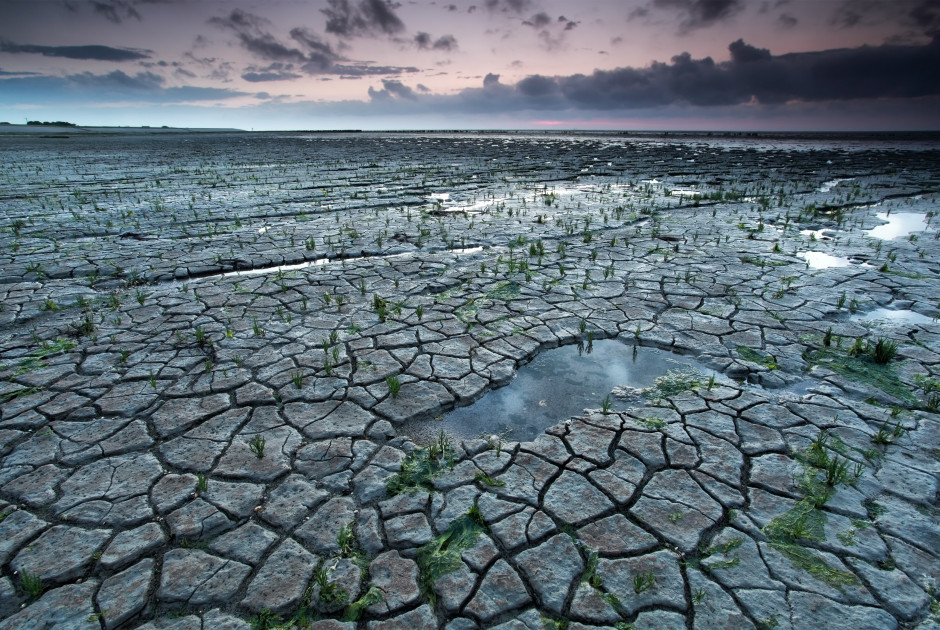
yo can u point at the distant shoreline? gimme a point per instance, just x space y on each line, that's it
65 131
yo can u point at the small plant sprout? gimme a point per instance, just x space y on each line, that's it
256 445
486 480
711 382
394 385
837 471
298 379
31 583
606 405
346 539
202 483
884 350
643 582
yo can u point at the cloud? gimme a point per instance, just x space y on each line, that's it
753 78
117 86
114 10
786 20
545 26
923 16
539 20
259 77
754 74
369 17
926 16
118 80
92 52
506 6
4 73
252 35
313 56
446 43
392 90
696 14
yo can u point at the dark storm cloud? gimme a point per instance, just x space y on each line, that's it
694 14
926 16
753 73
752 76
786 20
114 10
424 41
312 57
506 6
93 52
369 17
392 90
539 20
921 15
253 36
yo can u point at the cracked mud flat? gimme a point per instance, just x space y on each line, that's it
141 379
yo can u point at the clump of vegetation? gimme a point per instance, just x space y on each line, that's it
643 582
421 466
861 364
884 350
355 609
394 385
673 382
31 583
256 445
442 555
754 356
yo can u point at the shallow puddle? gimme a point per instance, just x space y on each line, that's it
899 224
891 316
821 260
557 384
328 261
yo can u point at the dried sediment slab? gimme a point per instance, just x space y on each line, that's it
220 443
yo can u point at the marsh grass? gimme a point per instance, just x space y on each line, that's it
442 554
673 382
394 385
884 350
859 366
422 466
256 445
31 583
643 582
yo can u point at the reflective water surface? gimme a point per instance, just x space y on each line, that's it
557 384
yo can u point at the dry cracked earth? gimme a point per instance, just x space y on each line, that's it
211 347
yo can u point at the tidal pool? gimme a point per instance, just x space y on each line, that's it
821 260
891 316
899 224
555 385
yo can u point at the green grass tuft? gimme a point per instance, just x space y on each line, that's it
442 555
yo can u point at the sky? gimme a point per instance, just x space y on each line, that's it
775 65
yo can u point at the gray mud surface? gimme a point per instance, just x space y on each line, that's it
201 336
